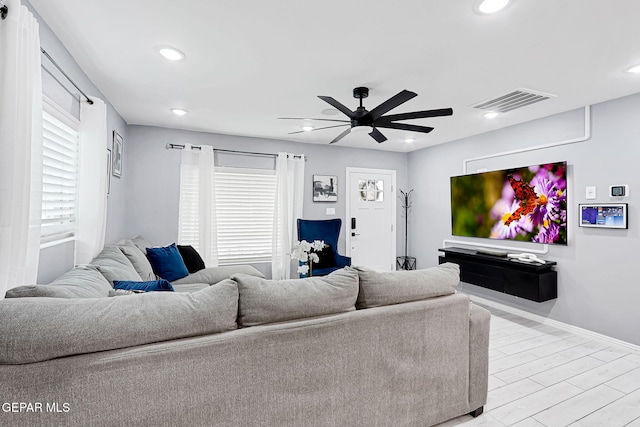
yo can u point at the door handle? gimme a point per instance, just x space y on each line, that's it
353 223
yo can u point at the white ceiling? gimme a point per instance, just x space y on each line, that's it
249 62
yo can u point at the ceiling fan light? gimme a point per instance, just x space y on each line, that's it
178 111
170 53
492 6
307 128
361 129
634 70
490 115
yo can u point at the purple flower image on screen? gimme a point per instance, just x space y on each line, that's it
527 204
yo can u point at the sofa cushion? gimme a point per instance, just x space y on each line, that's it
267 301
138 259
160 285
192 258
37 329
167 262
83 281
190 287
394 287
114 265
213 275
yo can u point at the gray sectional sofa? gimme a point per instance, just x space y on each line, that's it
356 347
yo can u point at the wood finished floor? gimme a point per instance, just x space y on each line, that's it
543 376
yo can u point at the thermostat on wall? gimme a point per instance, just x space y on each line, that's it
619 190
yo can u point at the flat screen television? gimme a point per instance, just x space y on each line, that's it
525 204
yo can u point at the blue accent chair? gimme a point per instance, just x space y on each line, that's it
327 230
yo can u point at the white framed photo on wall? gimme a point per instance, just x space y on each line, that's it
325 188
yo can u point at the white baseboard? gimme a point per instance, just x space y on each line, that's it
556 324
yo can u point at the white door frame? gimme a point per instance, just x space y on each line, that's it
347 219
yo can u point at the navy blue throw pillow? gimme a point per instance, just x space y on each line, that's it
150 286
167 262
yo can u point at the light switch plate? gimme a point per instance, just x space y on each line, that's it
590 193
331 211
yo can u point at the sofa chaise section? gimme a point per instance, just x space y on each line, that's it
303 356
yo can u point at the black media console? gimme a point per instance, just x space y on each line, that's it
534 282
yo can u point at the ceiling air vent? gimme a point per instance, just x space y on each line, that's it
517 99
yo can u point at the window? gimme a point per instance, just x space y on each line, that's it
59 173
244 214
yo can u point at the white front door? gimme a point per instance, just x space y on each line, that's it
371 218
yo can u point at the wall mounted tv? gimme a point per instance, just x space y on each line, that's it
525 204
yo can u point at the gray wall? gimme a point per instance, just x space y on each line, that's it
153 176
57 259
598 286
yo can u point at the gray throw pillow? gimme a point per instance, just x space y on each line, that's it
138 259
37 329
114 265
394 287
267 301
83 281
141 243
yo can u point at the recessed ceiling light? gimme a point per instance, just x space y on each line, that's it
409 140
635 69
490 115
329 112
307 128
492 6
178 111
172 54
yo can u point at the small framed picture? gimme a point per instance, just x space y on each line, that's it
325 188
118 151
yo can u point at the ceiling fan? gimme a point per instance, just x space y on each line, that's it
375 118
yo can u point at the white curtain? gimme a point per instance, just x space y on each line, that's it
92 181
197 214
288 208
20 147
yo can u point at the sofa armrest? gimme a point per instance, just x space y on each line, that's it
479 321
213 275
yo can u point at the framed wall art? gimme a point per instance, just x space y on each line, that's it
325 188
118 151
109 166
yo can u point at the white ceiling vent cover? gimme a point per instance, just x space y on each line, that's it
517 99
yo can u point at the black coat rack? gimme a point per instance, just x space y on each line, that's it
406 262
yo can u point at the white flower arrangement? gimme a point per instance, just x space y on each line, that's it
302 252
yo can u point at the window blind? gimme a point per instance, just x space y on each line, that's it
244 214
59 173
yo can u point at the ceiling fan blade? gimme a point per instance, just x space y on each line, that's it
417 115
392 103
404 126
313 130
377 135
346 111
339 137
307 118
